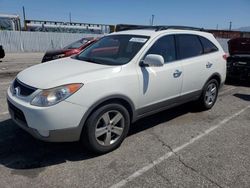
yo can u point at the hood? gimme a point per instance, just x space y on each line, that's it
56 52
63 71
239 46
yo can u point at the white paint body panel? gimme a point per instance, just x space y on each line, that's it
157 84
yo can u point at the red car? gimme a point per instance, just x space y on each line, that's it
69 50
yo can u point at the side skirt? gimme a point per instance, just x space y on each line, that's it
164 105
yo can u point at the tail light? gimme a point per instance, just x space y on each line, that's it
225 56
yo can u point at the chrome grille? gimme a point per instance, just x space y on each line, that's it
23 89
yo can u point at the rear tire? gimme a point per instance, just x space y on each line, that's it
209 95
106 128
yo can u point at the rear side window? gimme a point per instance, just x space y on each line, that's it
165 47
188 46
208 46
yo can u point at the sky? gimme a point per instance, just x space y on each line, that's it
197 13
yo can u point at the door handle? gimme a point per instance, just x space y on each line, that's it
177 74
209 65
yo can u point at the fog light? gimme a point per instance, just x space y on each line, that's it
43 133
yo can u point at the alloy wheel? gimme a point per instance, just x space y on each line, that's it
211 93
109 128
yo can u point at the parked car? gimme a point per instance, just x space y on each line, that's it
119 79
2 53
72 49
238 63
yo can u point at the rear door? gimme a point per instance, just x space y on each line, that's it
197 66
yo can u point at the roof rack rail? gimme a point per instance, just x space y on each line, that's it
124 27
160 28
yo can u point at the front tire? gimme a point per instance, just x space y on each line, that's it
209 95
106 128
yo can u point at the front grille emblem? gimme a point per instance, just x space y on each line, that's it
16 91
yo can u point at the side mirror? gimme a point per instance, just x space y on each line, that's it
153 60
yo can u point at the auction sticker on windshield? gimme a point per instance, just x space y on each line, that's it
140 40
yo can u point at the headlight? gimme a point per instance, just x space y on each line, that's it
53 96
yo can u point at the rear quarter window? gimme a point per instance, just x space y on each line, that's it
208 46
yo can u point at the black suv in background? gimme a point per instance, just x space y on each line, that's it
238 63
2 54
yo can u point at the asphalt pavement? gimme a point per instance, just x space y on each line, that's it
13 63
180 147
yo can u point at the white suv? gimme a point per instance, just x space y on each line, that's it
96 95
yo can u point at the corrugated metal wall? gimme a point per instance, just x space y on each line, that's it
17 41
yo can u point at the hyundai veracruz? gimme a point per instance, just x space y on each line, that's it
95 96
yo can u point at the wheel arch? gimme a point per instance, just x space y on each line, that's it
120 99
215 76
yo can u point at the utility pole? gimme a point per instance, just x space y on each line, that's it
24 19
152 19
230 26
217 26
70 17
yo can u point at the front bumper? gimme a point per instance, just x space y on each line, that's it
58 123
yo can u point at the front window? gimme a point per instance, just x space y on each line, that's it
113 49
6 24
165 47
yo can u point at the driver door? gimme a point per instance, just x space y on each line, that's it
160 86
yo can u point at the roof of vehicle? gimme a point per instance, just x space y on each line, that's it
9 16
239 46
150 30
153 32
240 39
144 32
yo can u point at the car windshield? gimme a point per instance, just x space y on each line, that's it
77 44
113 49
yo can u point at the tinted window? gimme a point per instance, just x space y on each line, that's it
189 46
165 47
208 46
